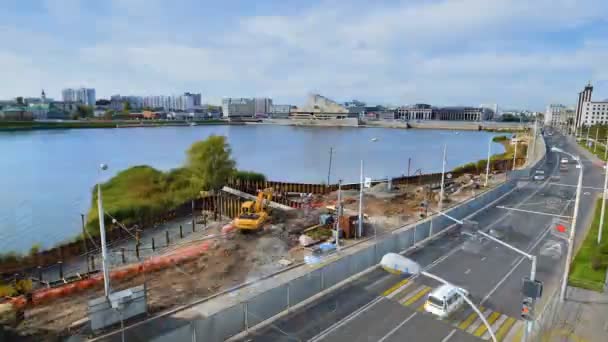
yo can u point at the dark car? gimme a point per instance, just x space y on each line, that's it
501 232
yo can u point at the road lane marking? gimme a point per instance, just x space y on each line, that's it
417 296
397 327
469 320
400 290
495 326
540 237
504 329
467 271
483 258
347 319
445 339
483 328
395 287
374 284
478 321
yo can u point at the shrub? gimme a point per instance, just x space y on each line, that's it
35 249
249 176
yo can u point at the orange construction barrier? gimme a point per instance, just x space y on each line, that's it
154 263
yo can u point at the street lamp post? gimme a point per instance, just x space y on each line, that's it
514 155
441 194
597 133
485 184
339 211
102 234
399 263
361 201
571 236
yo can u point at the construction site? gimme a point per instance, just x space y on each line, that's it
242 236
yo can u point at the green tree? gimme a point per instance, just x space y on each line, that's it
19 100
84 111
108 115
35 249
127 107
210 162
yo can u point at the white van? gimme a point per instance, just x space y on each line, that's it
444 300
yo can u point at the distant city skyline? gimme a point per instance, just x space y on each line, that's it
517 53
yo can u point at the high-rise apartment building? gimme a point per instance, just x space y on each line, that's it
85 96
583 96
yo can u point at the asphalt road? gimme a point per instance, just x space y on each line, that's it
383 307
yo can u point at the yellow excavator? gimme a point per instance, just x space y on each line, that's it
254 213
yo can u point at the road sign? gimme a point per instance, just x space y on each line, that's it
449 176
560 228
367 182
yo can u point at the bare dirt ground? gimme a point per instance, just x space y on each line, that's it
236 258
228 262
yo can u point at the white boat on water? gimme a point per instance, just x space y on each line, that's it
193 124
374 139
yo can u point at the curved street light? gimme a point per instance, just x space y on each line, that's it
397 263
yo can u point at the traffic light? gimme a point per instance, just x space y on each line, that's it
526 309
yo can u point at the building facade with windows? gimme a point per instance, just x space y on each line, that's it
263 106
280 111
553 114
583 97
593 113
85 96
238 107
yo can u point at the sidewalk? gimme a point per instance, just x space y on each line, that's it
583 317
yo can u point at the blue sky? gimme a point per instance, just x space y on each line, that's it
519 54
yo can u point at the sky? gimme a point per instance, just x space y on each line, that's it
516 53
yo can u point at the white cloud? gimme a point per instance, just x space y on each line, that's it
457 51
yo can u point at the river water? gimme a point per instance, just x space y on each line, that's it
46 177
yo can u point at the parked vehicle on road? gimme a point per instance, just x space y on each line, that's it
445 300
565 161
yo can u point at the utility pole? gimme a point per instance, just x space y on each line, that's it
587 139
515 154
339 212
102 234
599 235
361 201
84 241
534 140
564 284
445 148
485 185
331 152
597 132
